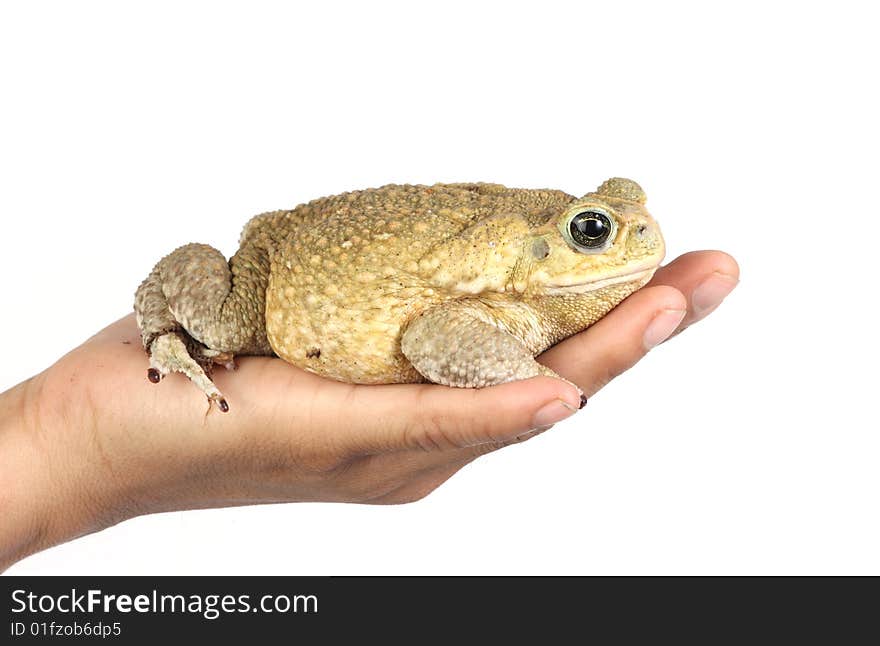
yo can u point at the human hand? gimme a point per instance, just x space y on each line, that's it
90 442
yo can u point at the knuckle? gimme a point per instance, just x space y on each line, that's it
433 434
433 430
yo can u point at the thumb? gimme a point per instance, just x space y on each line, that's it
432 417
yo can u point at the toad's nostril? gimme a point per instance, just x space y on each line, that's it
640 231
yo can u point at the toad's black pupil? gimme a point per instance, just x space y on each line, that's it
590 229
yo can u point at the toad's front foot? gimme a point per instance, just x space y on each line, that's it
169 353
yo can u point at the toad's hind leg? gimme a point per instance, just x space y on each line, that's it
196 309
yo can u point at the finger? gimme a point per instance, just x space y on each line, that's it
704 277
432 417
618 341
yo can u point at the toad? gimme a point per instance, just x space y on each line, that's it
457 284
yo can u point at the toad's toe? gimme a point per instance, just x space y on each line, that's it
169 353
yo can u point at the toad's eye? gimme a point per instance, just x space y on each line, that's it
590 230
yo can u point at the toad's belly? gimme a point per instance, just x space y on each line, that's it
357 342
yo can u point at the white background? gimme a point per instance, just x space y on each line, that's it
747 445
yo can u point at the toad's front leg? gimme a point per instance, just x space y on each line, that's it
466 344
196 309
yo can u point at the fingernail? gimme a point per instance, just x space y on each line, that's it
554 412
709 294
663 325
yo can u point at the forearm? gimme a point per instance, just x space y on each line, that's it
39 505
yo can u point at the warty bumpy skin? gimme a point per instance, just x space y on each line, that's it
459 284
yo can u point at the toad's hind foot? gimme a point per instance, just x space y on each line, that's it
169 353
195 310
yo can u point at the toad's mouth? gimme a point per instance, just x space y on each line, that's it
640 276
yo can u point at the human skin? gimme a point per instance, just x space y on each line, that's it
88 442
